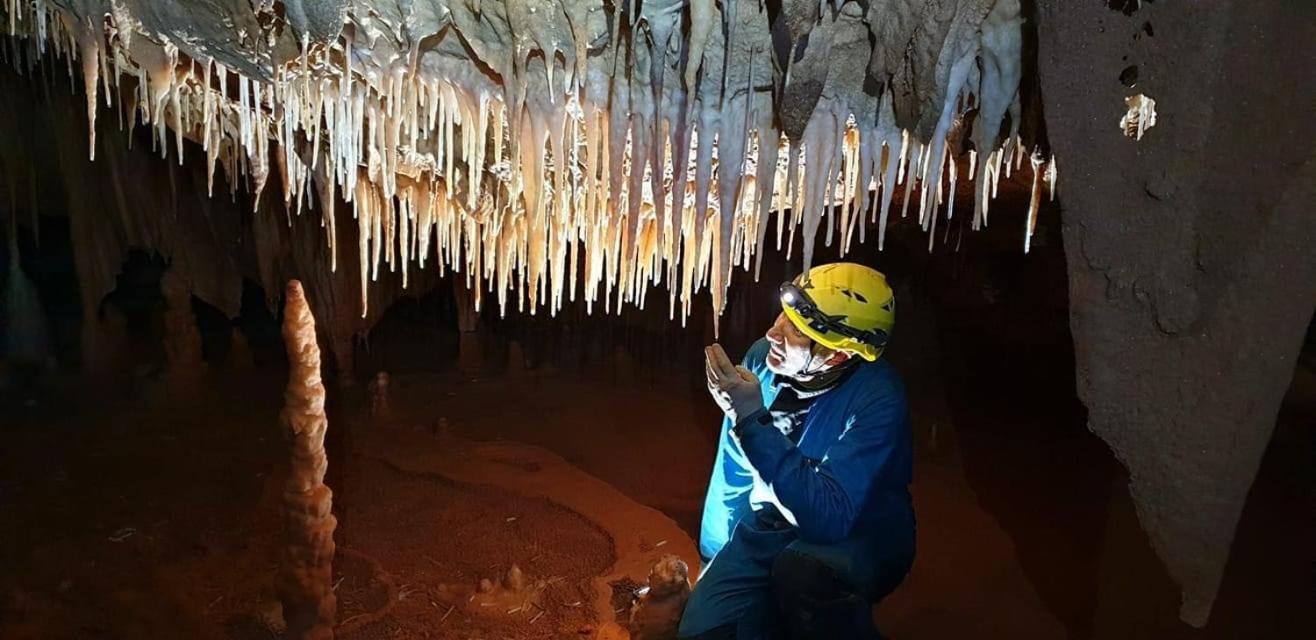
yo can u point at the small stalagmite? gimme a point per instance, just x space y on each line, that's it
656 612
379 394
305 579
182 339
239 353
515 579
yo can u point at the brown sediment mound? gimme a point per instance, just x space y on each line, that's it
440 538
640 535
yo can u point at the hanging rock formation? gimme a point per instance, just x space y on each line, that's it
305 579
1191 273
536 145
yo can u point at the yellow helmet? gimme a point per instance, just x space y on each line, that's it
843 306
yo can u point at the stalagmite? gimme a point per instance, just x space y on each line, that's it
305 576
182 340
25 338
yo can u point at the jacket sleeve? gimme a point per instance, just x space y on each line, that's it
827 496
728 490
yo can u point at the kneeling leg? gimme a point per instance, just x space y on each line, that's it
814 602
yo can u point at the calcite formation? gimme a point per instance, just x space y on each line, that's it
1191 278
589 150
24 336
305 577
656 611
184 361
556 149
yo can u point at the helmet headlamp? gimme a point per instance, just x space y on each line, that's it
798 300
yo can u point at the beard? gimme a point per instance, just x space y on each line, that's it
792 363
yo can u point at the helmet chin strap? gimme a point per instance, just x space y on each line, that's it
807 371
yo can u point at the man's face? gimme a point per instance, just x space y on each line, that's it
791 353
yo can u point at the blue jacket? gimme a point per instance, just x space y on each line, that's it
848 476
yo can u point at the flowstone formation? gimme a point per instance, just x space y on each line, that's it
1191 278
538 145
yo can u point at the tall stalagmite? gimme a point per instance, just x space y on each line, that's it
304 583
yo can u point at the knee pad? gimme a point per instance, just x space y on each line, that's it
813 603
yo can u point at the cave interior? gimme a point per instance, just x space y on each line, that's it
345 318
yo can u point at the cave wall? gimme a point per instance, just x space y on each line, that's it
1191 273
130 198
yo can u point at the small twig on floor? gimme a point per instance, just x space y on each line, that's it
537 617
448 613
338 582
433 561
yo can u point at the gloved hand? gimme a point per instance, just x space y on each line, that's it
735 389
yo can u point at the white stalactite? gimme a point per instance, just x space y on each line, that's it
606 182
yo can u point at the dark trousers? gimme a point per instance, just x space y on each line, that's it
767 584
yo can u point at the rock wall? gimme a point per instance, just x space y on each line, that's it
1191 272
128 200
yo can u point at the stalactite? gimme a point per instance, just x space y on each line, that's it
305 577
1035 197
607 173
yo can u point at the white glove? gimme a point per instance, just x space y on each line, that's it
735 389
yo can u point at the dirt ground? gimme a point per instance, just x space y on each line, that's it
148 514
125 522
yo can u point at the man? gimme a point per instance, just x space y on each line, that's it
808 519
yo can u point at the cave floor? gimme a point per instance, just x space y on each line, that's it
144 514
